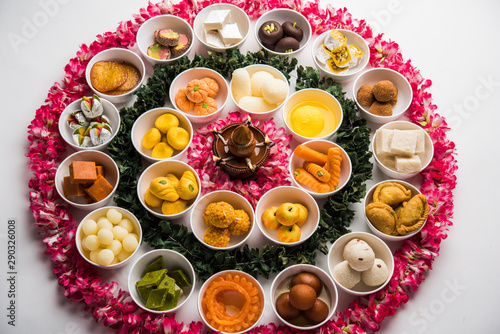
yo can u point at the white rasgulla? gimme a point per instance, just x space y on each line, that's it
257 79
345 275
241 85
353 242
274 90
255 104
360 257
377 274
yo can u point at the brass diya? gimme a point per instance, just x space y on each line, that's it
241 149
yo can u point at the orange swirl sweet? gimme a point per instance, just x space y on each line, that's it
215 309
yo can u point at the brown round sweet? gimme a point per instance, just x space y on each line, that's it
365 95
287 44
381 108
302 296
384 91
317 313
309 279
270 32
285 309
287 214
291 29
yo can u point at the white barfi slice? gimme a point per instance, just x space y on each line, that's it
322 55
217 19
383 138
403 143
420 146
408 165
231 34
214 38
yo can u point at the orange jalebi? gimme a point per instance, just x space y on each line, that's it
215 309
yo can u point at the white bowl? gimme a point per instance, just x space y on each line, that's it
120 55
182 80
237 16
314 95
349 74
95 215
426 158
374 75
281 284
171 261
368 199
281 15
231 298
251 70
66 132
111 173
145 35
285 194
381 250
147 121
238 202
322 146
163 168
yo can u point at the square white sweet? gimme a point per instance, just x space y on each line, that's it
420 146
231 34
214 38
403 143
408 165
217 19
383 139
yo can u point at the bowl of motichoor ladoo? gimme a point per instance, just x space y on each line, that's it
312 114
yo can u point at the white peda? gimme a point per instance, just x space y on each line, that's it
377 274
345 275
360 257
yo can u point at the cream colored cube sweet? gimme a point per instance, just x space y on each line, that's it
403 143
214 38
231 34
217 19
383 138
420 145
408 165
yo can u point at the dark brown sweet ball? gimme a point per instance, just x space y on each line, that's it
318 313
365 95
291 29
381 108
384 91
270 32
394 101
287 44
285 309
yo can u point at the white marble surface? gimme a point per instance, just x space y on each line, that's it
453 44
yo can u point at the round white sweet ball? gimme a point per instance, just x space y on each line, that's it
360 257
92 242
89 227
274 90
130 243
114 216
123 255
119 233
105 257
256 104
257 79
377 274
105 236
127 224
345 275
115 246
93 255
351 243
240 84
104 223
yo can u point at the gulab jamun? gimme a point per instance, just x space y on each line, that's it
291 29
285 309
302 296
309 279
270 32
317 313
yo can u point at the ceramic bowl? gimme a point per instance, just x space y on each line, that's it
237 201
251 70
147 121
119 55
374 75
232 299
145 35
237 15
329 294
351 73
182 80
281 15
368 199
381 250
387 165
163 168
111 173
95 215
286 194
321 146
317 98
171 261
66 132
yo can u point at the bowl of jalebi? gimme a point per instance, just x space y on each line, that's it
231 301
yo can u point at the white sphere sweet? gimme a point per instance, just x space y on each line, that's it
123 255
115 246
377 274
92 242
127 224
274 90
256 104
360 257
345 275
105 236
105 257
241 85
104 223
135 236
351 243
130 243
84 247
257 79
119 233
114 216
93 255
89 227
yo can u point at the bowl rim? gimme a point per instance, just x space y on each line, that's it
215 193
78 233
352 235
285 112
146 114
262 18
156 18
160 252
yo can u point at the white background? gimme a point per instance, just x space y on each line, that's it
453 43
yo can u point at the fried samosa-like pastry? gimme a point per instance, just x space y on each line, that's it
413 214
382 216
391 193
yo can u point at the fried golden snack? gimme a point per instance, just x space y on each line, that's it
413 214
391 193
133 78
382 216
107 75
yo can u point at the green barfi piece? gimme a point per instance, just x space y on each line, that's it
152 279
144 291
171 301
167 283
156 298
180 278
155 265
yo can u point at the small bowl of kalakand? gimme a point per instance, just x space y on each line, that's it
312 114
